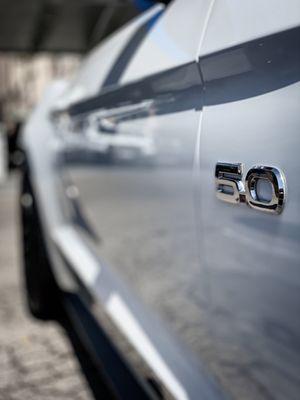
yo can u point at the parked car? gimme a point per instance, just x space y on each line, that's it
181 275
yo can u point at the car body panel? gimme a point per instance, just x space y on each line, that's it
174 40
250 116
154 195
98 64
253 257
232 22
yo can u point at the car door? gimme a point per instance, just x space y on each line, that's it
130 155
251 119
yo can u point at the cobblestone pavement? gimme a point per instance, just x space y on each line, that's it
36 359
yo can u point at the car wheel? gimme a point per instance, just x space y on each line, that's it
42 293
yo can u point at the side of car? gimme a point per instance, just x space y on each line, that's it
122 172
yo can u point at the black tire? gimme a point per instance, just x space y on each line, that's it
42 293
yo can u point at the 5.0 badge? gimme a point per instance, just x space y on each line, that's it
264 188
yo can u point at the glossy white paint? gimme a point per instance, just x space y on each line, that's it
96 66
181 374
70 243
129 325
146 216
238 21
253 257
41 145
173 41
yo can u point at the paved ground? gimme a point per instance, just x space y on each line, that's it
36 359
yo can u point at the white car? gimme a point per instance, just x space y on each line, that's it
180 275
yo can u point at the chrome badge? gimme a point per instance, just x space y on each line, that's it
264 188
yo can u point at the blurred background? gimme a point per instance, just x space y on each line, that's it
40 40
